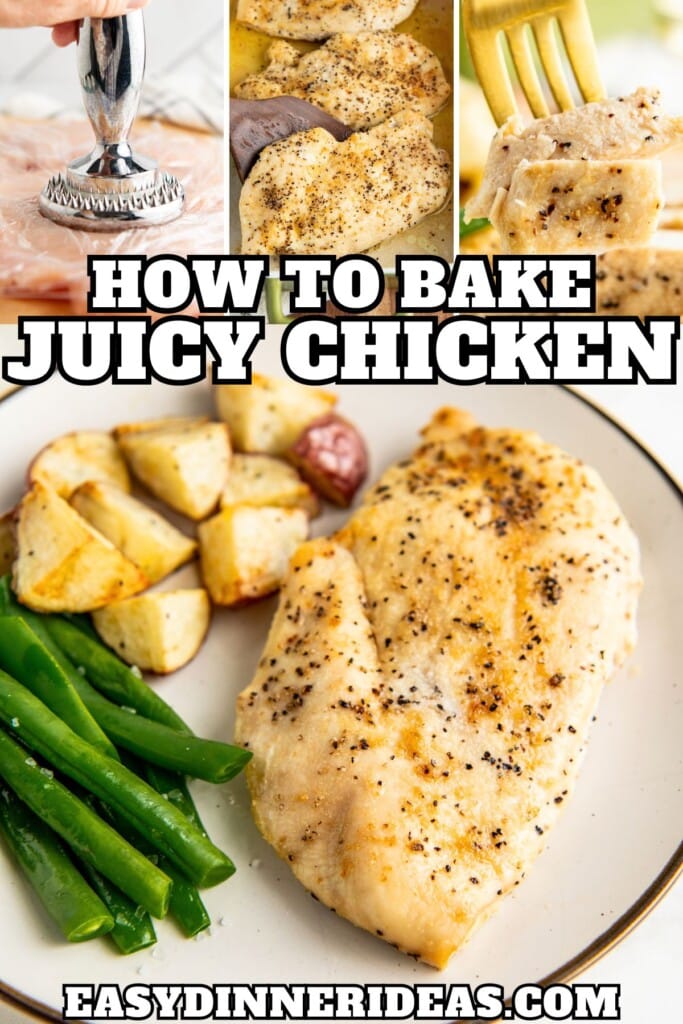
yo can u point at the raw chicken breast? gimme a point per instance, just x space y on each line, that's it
359 79
319 19
311 194
42 260
419 713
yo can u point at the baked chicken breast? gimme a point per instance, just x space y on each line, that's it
583 180
359 79
419 713
626 128
309 193
319 19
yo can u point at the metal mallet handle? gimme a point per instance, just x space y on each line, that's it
111 66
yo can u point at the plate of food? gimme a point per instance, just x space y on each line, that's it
417 701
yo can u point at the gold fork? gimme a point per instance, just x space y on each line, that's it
485 20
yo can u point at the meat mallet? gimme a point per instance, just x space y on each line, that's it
113 188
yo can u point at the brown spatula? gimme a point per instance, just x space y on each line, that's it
254 124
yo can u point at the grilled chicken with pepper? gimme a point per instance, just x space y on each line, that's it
419 713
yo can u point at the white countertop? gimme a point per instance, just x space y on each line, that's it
647 963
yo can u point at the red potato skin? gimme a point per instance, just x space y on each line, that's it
330 454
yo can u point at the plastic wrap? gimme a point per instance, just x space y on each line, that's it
43 260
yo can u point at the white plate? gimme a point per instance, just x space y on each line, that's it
613 852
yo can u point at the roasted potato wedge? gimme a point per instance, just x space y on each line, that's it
158 632
144 536
331 455
245 551
185 462
162 423
62 563
269 414
74 458
265 480
7 544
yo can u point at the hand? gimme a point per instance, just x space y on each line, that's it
63 15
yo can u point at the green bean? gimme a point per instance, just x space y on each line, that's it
274 311
7 598
22 656
92 839
158 820
83 622
128 688
10 606
110 675
79 913
173 787
186 905
170 784
182 752
133 929
25 657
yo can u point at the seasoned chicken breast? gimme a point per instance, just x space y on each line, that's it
573 206
309 193
580 181
359 79
629 128
642 282
319 19
419 713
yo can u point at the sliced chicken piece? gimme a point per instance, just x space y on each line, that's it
642 282
319 19
572 206
628 128
359 79
419 713
310 194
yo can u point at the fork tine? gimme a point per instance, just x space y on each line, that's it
577 33
549 53
489 64
520 50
